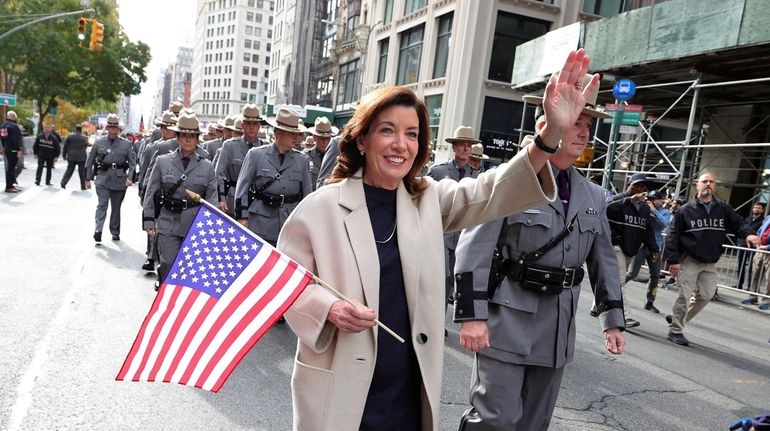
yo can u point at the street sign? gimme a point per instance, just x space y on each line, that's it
629 118
7 99
624 89
52 110
627 130
627 108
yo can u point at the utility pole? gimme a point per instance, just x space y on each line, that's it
45 18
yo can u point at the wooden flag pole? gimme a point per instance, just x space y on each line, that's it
346 299
197 198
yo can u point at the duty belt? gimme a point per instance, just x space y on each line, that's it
277 200
178 205
546 279
228 184
105 166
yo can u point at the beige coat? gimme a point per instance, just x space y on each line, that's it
330 234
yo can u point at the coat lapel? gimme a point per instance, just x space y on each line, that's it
359 230
407 222
578 193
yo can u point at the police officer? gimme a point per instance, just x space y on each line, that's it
232 155
109 161
46 150
167 210
169 145
74 152
215 143
321 133
455 170
274 178
477 157
693 247
523 332
167 119
631 223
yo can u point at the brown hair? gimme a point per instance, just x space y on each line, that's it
351 160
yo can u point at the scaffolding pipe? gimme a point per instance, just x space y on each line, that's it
721 84
688 136
737 144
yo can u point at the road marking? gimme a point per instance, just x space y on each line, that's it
40 356
27 195
61 196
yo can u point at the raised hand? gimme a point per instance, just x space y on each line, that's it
564 95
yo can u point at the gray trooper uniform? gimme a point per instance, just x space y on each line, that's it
166 147
289 182
228 168
177 211
108 164
516 380
315 157
144 164
212 146
329 161
451 171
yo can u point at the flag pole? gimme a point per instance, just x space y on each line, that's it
197 198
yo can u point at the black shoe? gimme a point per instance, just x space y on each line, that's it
98 236
631 323
63 186
37 183
678 339
669 319
749 301
115 237
671 280
641 279
594 312
649 307
157 285
48 183
149 265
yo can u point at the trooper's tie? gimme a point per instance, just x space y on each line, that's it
562 182
185 162
462 172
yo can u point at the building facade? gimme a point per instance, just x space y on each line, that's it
231 57
181 72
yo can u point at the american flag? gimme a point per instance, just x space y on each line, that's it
141 124
226 288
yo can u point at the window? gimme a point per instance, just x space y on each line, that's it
383 66
250 3
433 103
443 44
267 60
246 56
352 24
257 32
249 30
327 46
388 12
411 6
254 71
498 133
270 33
253 85
511 31
249 16
247 43
605 8
260 4
244 97
255 58
258 18
348 90
256 44
244 83
409 56
267 73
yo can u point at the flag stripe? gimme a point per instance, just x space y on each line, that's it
220 348
155 328
158 336
185 318
170 330
188 339
214 321
261 330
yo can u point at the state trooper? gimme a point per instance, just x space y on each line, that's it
232 155
523 330
321 133
455 169
169 145
216 130
167 209
167 119
232 129
477 157
273 179
108 164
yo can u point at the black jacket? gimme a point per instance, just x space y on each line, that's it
11 136
700 234
46 146
75 147
753 225
630 226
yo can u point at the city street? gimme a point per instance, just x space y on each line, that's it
69 311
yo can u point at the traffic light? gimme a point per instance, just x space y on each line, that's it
97 36
82 22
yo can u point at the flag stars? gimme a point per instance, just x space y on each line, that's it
209 223
199 224
231 230
242 238
218 290
207 213
219 222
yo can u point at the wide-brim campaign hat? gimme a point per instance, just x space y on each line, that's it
227 121
187 123
463 134
590 108
175 107
309 142
168 118
251 112
236 126
113 120
477 152
323 127
287 120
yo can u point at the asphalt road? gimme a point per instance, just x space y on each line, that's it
69 311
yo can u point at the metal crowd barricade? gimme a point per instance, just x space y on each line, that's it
727 271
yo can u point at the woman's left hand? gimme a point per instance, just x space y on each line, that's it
351 318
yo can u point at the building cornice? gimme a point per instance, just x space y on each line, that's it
534 5
441 3
412 17
433 83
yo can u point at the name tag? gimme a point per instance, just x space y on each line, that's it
532 211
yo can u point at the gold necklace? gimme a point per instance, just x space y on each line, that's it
391 234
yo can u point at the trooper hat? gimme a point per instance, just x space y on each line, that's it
287 120
187 123
175 107
463 134
236 125
477 152
590 108
113 120
323 127
251 112
309 142
167 119
226 121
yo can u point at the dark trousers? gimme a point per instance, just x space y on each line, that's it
653 265
745 258
46 162
81 165
10 169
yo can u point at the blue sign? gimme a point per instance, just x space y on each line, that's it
624 89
